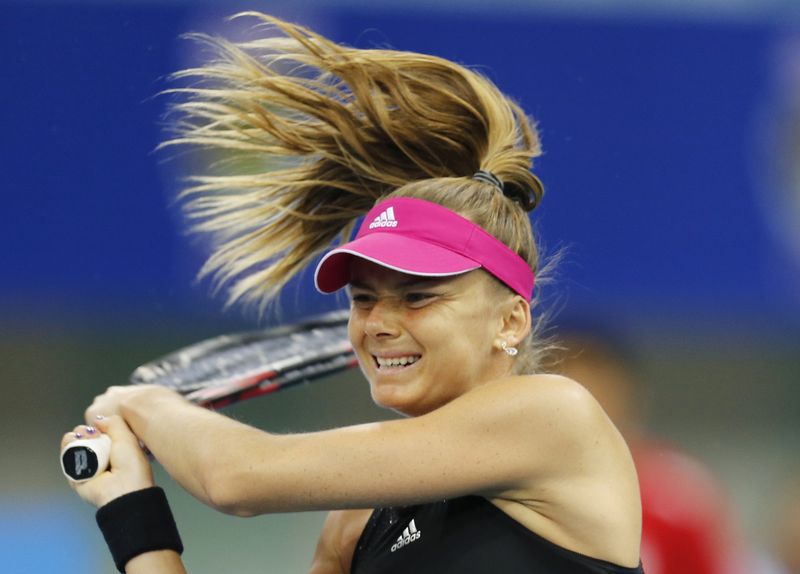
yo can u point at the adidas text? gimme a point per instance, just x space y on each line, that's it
375 224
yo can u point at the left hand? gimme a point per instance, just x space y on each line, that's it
128 471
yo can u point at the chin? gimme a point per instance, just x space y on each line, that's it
389 398
395 399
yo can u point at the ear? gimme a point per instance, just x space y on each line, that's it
515 322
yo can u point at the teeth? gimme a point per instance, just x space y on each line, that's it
397 361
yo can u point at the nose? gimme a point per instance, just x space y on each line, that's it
381 321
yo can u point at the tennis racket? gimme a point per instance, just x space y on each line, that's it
223 370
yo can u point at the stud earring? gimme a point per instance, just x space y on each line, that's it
510 351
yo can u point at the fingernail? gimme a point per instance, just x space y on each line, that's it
78 435
100 417
90 430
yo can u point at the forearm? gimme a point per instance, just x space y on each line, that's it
235 468
162 561
197 447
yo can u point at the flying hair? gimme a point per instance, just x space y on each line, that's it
306 135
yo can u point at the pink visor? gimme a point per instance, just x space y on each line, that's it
422 238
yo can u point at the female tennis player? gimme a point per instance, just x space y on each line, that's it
496 467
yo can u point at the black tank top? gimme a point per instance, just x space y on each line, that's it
466 535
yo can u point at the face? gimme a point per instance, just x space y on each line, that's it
421 342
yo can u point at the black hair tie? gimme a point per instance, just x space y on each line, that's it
512 192
490 178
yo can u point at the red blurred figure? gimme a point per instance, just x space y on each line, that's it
687 527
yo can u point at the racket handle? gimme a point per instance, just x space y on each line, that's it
84 458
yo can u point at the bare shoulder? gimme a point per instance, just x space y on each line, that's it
583 492
550 385
551 421
338 540
539 387
571 411
549 400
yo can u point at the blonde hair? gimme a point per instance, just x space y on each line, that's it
313 133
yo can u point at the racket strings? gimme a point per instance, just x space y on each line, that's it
234 358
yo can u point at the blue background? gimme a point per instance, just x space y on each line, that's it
648 129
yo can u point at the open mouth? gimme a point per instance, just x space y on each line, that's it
396 362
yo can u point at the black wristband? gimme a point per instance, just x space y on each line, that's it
136 523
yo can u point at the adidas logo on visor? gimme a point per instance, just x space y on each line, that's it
385 219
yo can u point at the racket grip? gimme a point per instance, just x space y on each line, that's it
84 458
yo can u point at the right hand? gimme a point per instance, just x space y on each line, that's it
128 470
111 401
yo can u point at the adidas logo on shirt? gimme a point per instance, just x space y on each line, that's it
385 219
410 534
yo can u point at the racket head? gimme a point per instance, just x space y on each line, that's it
222 370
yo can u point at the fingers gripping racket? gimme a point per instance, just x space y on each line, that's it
230 368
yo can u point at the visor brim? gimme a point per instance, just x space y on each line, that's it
393 251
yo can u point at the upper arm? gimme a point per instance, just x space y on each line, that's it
501 437
337 541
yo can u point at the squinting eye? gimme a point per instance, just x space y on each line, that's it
361 299
417 298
